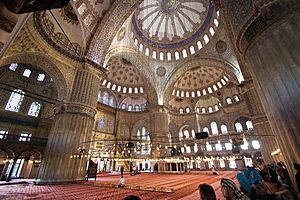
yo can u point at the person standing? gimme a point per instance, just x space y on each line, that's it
122 170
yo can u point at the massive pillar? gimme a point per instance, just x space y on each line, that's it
159 132
267 34
261 124
64 159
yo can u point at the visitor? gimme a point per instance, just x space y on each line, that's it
121 182
132 197
297 175
213 168
230 190
244 182
122 170
207 192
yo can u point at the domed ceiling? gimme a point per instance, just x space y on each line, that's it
200 81
169 21
123 74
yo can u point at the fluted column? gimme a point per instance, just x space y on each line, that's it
260 123
274 60
72 126
159 132
267 34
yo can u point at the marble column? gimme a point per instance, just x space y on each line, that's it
72 127
159 132
262 128
274 61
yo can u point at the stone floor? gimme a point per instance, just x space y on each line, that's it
147 186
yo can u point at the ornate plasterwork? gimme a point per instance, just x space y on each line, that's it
170 21
108 28
122 72
199 77
54 38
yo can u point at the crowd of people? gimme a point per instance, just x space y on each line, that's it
264 182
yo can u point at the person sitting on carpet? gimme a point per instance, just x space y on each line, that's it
207 192
121 182
230 190
213 168
132 197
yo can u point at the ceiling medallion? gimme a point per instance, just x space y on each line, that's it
169 6
221 46
161 71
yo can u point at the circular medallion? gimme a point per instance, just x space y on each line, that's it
161 71
221 46
169 6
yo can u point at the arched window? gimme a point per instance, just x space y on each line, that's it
206 39
212 31
255 144
224 129
184 53
198 110
176 55
236 98
144 136
41 77
111 101
228 100
138 134
169 56
99 97
216 107
123 106
205 129
111 124
34 109
203 110
161 56
101 123
154 54
193 133
186 134
13 66
192 50
209 90
210 109
105 97
180 110
238 127
129 107
249 125
187 110
15 100
216 22
215 88
214 128
27 73
137 108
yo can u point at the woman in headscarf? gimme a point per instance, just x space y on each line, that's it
230 190
244 183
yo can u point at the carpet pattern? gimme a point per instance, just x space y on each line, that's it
184 187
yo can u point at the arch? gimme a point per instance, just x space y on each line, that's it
46 64
108 28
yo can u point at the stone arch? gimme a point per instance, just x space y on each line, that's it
187 65
108 28
140 64
45 64
242 118
9 153
37 154
139 124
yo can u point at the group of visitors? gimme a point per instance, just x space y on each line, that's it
264 182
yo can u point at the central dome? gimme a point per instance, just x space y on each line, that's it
170 26
169 21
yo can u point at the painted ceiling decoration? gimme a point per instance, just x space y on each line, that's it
171 25
171 21
200 81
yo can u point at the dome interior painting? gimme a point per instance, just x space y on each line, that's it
169 25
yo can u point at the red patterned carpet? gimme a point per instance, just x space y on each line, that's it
183 186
